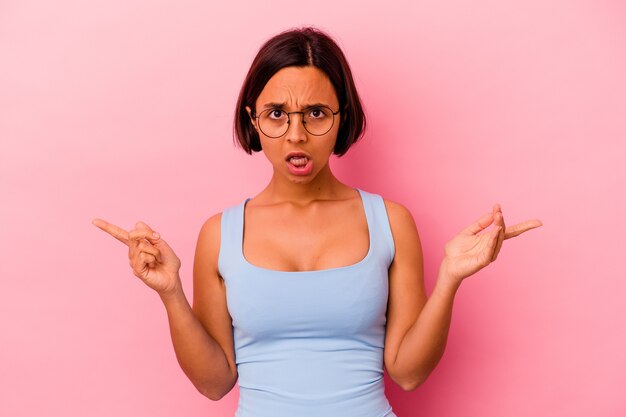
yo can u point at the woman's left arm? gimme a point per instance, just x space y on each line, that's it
417 327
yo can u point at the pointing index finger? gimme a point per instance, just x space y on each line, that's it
520 228
115 231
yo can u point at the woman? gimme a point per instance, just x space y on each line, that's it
304 292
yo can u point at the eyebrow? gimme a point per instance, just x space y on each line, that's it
282 105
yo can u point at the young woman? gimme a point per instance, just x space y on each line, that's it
305 291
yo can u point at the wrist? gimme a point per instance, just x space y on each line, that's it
445 280
172 294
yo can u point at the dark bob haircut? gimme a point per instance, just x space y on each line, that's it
300 47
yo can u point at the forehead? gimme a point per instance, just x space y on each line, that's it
297 86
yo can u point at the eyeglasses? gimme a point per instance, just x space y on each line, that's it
317 120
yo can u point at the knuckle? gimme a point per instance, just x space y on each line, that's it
147 248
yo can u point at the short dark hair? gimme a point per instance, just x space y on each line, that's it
300 47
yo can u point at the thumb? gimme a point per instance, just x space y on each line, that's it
143 226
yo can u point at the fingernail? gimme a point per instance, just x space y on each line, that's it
155 235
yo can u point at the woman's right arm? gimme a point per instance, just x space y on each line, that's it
202 335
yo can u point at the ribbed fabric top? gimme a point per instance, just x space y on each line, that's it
309 343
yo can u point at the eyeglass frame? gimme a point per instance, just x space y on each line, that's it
302 119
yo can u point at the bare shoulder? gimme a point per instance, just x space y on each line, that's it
211 226
206 256
207 247
408 254
397 210
401 221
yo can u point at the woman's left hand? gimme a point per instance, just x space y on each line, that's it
468 252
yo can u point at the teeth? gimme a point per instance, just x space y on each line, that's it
299 160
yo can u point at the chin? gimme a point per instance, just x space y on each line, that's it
305 179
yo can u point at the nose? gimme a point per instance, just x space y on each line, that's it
295 130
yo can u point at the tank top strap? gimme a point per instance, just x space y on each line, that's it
378 222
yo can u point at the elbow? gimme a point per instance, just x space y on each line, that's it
410 380
409 383
208 392
412 385
212 392
215 397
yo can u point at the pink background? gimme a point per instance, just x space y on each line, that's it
122 109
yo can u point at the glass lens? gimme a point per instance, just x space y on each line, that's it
273 122
318 120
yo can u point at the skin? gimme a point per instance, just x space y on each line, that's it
330 231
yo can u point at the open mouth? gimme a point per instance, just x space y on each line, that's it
298 161
300 165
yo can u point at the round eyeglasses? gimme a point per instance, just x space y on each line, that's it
317 120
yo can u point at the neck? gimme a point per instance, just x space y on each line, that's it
325 186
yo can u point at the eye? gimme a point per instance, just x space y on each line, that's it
317 113
276 114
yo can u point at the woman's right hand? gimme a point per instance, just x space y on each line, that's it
151 258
